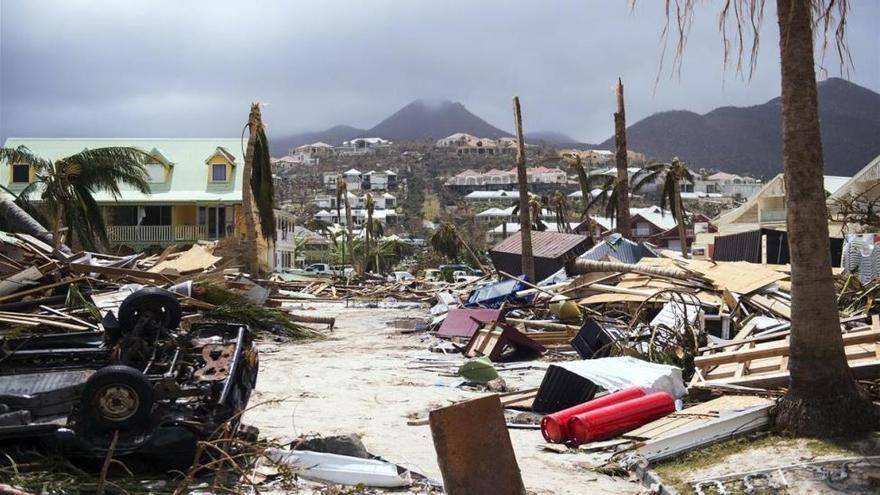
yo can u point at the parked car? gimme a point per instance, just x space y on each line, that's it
162 389
433 275
400 276
448 271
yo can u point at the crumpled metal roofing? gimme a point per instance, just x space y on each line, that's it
618 247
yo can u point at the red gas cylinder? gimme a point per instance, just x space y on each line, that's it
610 421
554 426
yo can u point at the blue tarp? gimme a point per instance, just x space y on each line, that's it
492 295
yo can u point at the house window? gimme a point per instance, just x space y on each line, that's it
21 173
218 172
155 173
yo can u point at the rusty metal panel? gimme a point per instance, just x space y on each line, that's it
474 450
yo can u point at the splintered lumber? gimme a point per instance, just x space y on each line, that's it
197 258
780 348
737 276
582 266
546 325
118 272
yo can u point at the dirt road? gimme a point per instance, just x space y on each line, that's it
363 381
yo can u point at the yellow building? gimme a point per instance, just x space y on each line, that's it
195 184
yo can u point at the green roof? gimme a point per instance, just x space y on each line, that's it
188 181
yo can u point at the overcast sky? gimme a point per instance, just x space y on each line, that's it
190 68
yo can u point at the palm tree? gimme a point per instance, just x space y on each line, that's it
65 187
341 194
582 169
606 197
370 205
560 211
349 227
318 226
257 189
823 398
671 175
445 241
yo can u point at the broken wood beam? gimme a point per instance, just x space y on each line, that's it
582 266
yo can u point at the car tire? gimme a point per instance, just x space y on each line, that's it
116 398
159 304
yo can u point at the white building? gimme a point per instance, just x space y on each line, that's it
362 146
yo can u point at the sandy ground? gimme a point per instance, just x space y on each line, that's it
364 380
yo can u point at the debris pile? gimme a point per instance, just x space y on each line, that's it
622 328
143 358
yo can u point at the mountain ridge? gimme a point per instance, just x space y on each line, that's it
744 140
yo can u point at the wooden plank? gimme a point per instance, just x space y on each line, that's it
777 349
119 272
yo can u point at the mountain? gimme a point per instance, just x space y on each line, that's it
749 139
420 119
433 119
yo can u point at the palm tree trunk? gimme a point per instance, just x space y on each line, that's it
525 226
20 221
251 257
585 196
682 224
624 226
56 227
823 398
368 234
350 229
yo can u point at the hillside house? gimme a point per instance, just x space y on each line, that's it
862 189
766 208
498 179
363 146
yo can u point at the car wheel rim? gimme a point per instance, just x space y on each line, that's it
117 402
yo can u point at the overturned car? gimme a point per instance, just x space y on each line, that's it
142 385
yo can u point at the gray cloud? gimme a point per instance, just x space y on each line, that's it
172 68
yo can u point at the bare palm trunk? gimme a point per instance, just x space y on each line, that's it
350 228
624 226
823 398
585 196
251 257
56 227
682 224
20 221
368 234
525 225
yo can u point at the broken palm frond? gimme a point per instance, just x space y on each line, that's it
76 299
233 307
262 185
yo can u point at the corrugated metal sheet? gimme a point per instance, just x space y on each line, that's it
625 250
545 244
551 251
746 246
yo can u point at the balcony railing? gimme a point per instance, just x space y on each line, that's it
156 234
772 215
